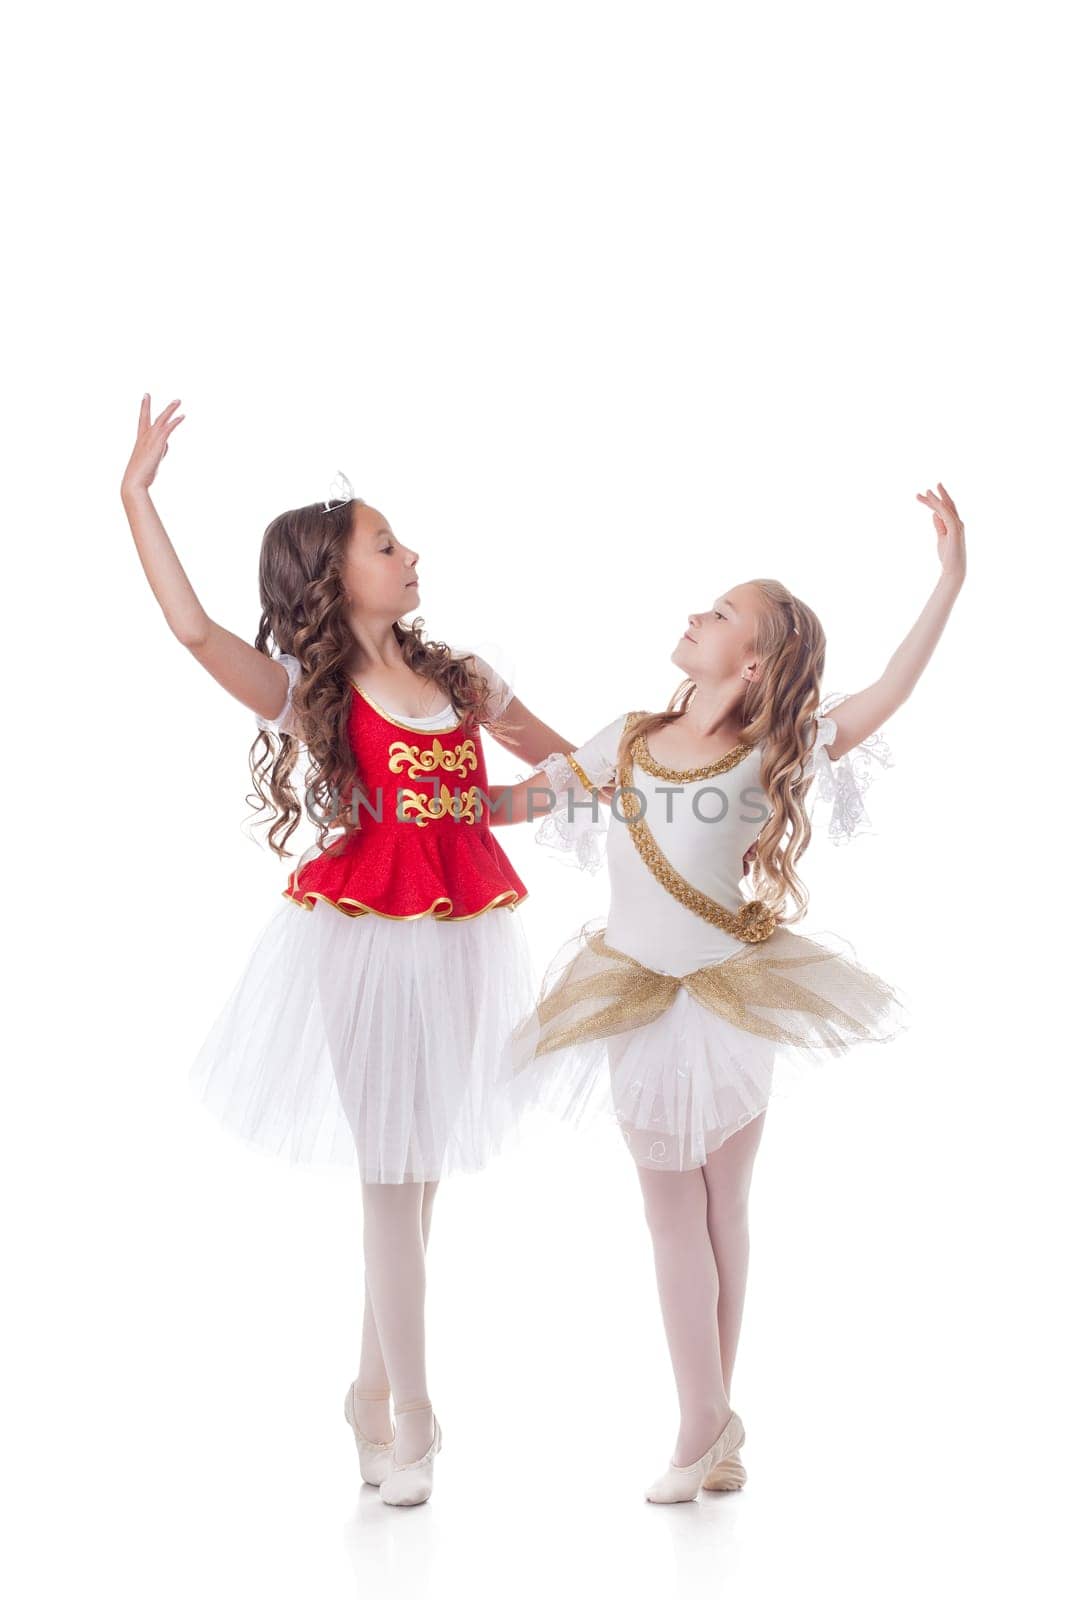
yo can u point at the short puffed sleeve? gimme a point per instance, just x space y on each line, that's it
284 722
580 818
500 691
841 784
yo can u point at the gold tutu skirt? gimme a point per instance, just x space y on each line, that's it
681 1063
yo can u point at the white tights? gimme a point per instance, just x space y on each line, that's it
698 1221
396 1231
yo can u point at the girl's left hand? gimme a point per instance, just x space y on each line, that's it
951 551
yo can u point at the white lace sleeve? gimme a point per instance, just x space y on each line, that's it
284 722
577 824
842 783
501 693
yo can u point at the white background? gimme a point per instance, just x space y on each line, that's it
607 308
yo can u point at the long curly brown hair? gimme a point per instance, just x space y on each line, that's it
304 612
775 710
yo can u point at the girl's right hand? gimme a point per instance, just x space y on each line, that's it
951 551
151 446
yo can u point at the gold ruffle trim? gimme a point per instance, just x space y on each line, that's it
356 908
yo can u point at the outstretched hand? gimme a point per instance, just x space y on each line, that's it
151 445
950 547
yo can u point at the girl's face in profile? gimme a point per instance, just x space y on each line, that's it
380 578
716 644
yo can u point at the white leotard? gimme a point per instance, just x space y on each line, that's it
703 827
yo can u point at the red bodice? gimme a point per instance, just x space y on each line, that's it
424 847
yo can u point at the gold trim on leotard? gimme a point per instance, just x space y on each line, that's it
752 922
412 727
655 769
580 771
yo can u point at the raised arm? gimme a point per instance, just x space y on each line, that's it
251 677
864 712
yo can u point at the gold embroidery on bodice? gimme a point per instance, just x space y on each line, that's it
457 758
464 806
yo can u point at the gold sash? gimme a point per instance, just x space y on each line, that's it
754 921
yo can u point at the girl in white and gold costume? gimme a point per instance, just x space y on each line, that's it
682 1013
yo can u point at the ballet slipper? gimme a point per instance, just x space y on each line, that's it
409 1483
683 1483
374 1454
729 1474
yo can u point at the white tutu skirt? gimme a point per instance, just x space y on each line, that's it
371 1043
680 1064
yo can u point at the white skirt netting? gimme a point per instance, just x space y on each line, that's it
678 1085
370 1042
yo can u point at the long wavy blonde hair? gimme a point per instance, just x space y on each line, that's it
304 612
776 711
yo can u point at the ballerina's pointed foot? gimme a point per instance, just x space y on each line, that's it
729 1474
411 1482
375 1455
684 1483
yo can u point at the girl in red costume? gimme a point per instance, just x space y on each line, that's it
369 1025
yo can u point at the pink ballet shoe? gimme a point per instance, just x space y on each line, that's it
411 1482
374 1455
683 1483
729 1474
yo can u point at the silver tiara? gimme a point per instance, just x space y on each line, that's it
344 493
